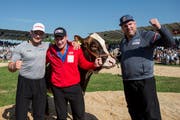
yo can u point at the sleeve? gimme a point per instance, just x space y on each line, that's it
16 55
163 38
83 62
47 56
70 42
119 55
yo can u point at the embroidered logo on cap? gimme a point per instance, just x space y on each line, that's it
59 31
124 18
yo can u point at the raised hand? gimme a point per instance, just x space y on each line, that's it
154 22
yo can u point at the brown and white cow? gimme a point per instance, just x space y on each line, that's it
93 46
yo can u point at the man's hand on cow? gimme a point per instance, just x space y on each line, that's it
76 45
98 62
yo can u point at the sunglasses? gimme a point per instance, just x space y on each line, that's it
40 33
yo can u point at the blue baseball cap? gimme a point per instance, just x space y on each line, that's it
125 19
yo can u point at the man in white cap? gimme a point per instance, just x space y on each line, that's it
29 58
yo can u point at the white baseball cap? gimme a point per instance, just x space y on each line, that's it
38 26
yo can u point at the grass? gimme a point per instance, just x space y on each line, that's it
168 84
98 82
8 82
105 82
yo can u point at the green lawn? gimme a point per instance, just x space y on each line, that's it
8 82
98 82
105 82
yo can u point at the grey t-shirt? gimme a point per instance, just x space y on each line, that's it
33 58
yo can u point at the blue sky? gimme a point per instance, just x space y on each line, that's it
82 17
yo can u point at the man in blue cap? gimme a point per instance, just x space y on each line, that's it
136 60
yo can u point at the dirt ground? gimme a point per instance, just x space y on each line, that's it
111 105
158 70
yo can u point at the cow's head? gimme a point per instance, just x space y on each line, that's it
93 47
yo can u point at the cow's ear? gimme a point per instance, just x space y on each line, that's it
78 38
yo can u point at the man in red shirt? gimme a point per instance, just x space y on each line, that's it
65 76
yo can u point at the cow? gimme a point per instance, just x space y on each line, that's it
93 47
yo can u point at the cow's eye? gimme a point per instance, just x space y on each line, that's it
94 47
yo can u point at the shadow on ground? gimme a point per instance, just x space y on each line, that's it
9 113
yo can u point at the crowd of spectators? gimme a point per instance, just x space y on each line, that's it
6 48
167 56
161 55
